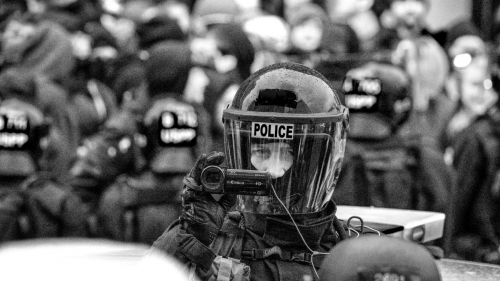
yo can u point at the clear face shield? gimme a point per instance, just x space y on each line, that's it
303 161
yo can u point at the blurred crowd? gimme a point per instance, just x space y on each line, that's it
107 104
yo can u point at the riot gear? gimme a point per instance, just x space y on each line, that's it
286 119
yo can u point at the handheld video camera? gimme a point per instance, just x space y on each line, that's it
217 180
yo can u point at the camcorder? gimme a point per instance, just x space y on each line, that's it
217 180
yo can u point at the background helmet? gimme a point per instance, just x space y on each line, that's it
102 157
374 93
171 129
372 256
24 137
290 115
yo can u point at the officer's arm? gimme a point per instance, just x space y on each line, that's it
185 248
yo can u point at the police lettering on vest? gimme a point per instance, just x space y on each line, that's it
178 128
14 132
272 131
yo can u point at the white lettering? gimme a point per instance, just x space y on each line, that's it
18 123
347 87
175 136
359 101
371 87
237 182
184 118
272 131
187 118
12 140
167 120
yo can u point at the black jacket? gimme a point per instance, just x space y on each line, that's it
271 245
474 199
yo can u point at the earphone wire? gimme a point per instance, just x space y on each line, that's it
354 230
313 253
371 228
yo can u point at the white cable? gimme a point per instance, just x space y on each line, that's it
378 232
300 234
349 231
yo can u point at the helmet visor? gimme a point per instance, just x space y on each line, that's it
303 160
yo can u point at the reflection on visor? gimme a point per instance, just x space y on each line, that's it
271 205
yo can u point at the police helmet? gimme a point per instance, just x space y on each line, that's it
372 257
171 130
24 134
377 93
102 157
287 120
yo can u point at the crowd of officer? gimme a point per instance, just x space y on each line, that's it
105 94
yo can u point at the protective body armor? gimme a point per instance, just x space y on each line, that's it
253 246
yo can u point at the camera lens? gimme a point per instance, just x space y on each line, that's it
212 178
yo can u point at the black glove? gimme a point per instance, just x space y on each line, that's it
202 215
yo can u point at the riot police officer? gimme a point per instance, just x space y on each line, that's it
286 121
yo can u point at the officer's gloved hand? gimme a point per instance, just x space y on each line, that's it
202 215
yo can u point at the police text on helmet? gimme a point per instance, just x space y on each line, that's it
272 131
